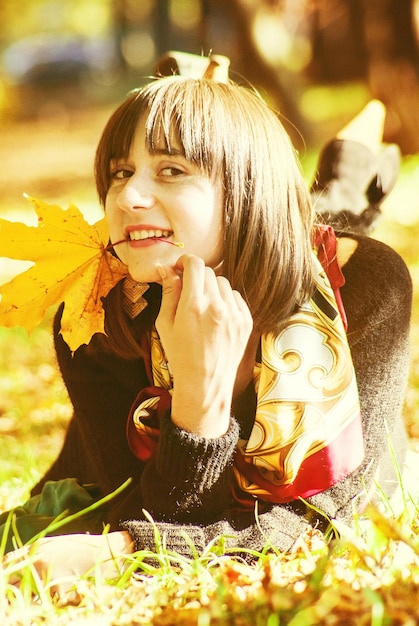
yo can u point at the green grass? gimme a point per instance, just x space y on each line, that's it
34 410
369 576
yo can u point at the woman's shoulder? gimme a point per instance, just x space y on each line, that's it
360 254
377 281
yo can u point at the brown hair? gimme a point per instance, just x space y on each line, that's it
229 131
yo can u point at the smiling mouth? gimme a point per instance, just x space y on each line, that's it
142 235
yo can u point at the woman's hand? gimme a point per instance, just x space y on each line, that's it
60 560
204 326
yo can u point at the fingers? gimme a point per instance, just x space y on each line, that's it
196 301
204 326
171 291
190 279
231 295
195 277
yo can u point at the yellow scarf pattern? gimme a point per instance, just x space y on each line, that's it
307 432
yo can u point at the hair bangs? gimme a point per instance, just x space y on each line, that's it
181 117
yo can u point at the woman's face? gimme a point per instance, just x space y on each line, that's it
158 198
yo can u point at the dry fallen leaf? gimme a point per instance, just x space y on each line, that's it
71 265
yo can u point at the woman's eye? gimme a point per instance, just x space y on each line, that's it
171 171
120 174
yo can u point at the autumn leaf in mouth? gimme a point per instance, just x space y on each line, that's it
71 265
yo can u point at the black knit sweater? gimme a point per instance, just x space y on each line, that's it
186 486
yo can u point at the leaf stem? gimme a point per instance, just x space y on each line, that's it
178 244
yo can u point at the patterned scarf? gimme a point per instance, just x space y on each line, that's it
307 433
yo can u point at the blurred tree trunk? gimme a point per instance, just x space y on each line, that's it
277 83
393 77
337 39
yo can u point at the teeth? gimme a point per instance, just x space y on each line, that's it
137 235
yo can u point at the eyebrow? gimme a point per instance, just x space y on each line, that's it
167 152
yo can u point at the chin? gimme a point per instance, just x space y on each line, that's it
140 276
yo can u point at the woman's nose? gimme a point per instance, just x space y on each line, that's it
136 194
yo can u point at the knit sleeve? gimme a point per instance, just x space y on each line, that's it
240 532
189 478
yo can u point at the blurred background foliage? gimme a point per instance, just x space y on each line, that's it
65 64
69 53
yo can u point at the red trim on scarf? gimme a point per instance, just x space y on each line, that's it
325 242
317 472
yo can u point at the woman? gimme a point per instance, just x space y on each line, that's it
225 387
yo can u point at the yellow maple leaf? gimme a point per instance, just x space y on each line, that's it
71 265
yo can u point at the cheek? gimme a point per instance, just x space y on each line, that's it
208 236
111 215
115 230
218 220
211 214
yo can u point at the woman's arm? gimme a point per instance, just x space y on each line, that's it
187 481
204 326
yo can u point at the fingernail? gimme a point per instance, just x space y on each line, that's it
161 270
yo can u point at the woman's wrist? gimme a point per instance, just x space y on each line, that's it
190 461
208 422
